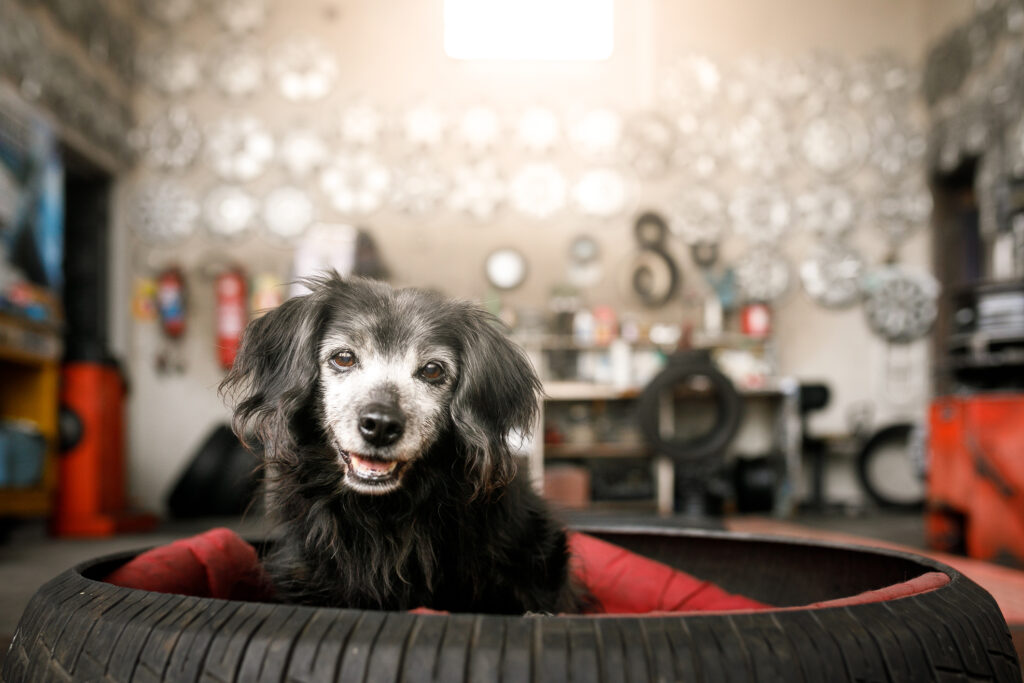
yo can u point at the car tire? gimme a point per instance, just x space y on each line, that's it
77 627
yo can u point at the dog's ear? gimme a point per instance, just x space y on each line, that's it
275 370
496 399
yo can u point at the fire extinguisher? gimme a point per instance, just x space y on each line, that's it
170 302
756 320
231 314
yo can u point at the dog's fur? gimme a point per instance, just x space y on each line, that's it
450 526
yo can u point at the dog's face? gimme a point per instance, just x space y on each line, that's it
385 397
387 373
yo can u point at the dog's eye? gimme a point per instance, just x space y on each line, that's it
432 371
343 359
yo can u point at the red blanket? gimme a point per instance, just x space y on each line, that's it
220 564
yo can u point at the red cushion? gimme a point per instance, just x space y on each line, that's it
623 582
214 564
220 564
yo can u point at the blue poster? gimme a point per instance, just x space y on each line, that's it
31 195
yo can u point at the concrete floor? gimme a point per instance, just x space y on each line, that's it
904 529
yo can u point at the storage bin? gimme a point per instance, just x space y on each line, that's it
22 451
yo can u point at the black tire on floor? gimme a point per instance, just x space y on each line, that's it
220 480
900 436
77 628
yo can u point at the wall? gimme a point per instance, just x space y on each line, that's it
390 54
941 16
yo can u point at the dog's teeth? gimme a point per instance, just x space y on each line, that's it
372 468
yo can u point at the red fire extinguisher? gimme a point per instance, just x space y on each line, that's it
756 320
170 302
231 314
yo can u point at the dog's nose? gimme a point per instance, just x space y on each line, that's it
381 424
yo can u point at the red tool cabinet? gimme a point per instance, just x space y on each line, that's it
976 476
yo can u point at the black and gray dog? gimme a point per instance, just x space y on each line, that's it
385 417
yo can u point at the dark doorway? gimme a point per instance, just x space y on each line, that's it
87 240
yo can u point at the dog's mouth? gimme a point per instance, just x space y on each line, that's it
379 474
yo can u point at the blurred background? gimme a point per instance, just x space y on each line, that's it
766 256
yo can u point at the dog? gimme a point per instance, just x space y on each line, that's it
386 419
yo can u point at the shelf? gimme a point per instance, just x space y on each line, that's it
30 354
30 502
554 342
26 342
597 450
587 391
592 391
567 343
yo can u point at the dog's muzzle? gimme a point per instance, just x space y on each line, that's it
374 467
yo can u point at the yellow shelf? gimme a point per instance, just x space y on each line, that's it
28 343
29 390
31 502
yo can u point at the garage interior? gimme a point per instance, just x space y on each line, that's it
812 214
